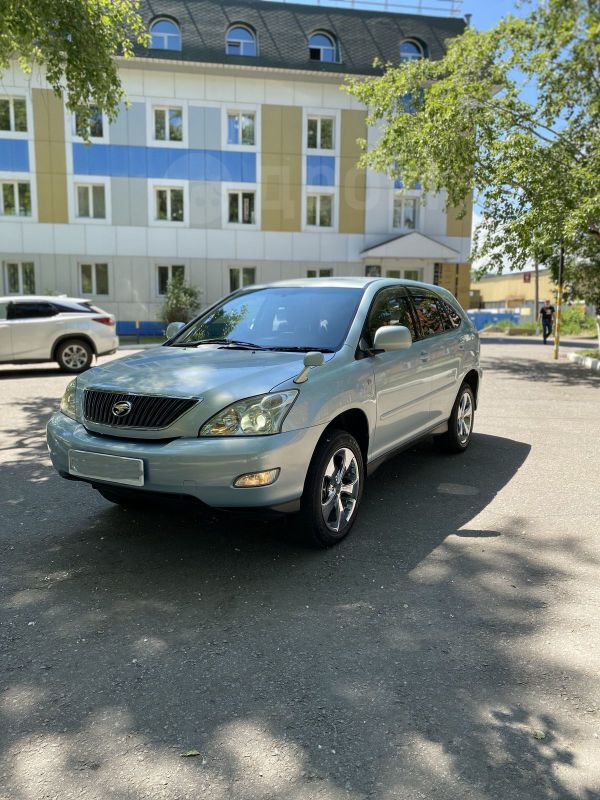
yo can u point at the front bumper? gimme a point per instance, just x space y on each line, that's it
201 468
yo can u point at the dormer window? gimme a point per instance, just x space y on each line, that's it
241 41
165 35
323 47
411 50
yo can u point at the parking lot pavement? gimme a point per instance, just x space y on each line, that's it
448 649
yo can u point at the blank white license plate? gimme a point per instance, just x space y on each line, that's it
116 469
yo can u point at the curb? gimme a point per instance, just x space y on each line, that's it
138 346
585 361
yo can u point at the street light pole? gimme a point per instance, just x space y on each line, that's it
559 298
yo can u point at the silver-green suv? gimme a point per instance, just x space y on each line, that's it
280 397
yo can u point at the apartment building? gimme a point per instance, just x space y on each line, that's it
234 163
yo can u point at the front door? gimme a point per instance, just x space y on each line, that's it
402 377
5 337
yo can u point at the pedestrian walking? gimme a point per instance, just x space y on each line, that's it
547 316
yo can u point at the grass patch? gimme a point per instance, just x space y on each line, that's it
589 353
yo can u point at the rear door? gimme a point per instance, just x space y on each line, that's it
402 383
5 337
439 348
33 329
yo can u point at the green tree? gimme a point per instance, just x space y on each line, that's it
181 302
76 41
462 124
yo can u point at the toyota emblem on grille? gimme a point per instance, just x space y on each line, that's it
121 409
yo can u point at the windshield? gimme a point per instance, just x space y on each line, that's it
278 318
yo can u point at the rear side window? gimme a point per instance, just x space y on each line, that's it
75 308
390 307
451 318
31 310
427 312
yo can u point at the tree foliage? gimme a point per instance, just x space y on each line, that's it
181 302
462 124
76 41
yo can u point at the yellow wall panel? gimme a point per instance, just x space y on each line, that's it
281 168
353 181
456 226
50 156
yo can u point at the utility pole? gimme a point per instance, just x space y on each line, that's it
559 297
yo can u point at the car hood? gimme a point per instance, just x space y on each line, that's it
211 372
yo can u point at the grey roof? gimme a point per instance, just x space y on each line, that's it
283 28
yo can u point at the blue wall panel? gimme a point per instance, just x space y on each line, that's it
14 155
320 170
124 161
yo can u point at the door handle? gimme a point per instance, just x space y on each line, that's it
424 356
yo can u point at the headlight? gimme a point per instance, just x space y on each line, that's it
67 404
255 416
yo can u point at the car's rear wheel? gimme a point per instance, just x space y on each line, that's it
460 425
74 355
332 491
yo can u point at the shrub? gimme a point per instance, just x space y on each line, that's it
181 302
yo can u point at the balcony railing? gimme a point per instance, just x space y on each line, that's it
434 8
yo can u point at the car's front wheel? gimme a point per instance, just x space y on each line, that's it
333 490
74 355
460 425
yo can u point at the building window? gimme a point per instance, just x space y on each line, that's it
13 114
94 278
240 277
240 128
91 202
240 41
437 274
15 199
405 212
319 210
19 277
241 208
93 127
169 204
322 47
165 274
411 50
412 274
165 35
319 273
168 124
319 133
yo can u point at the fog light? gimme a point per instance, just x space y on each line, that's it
257 479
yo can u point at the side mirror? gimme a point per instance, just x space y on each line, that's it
173 328
312 359
392 337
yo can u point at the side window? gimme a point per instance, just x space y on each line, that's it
428 314
3 310
451 317
390 307
31 310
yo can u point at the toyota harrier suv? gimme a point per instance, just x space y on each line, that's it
280 397
62 329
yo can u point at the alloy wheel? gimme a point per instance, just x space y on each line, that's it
464 417
74 356
340 489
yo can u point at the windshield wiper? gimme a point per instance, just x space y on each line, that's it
232 343
300 349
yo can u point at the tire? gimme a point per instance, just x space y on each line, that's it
336 474
74 356
460 425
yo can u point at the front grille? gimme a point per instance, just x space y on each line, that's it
147 411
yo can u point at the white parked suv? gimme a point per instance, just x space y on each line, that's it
67 330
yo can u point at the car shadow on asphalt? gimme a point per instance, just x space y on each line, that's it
393 665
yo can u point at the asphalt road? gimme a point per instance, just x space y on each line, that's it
448 649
